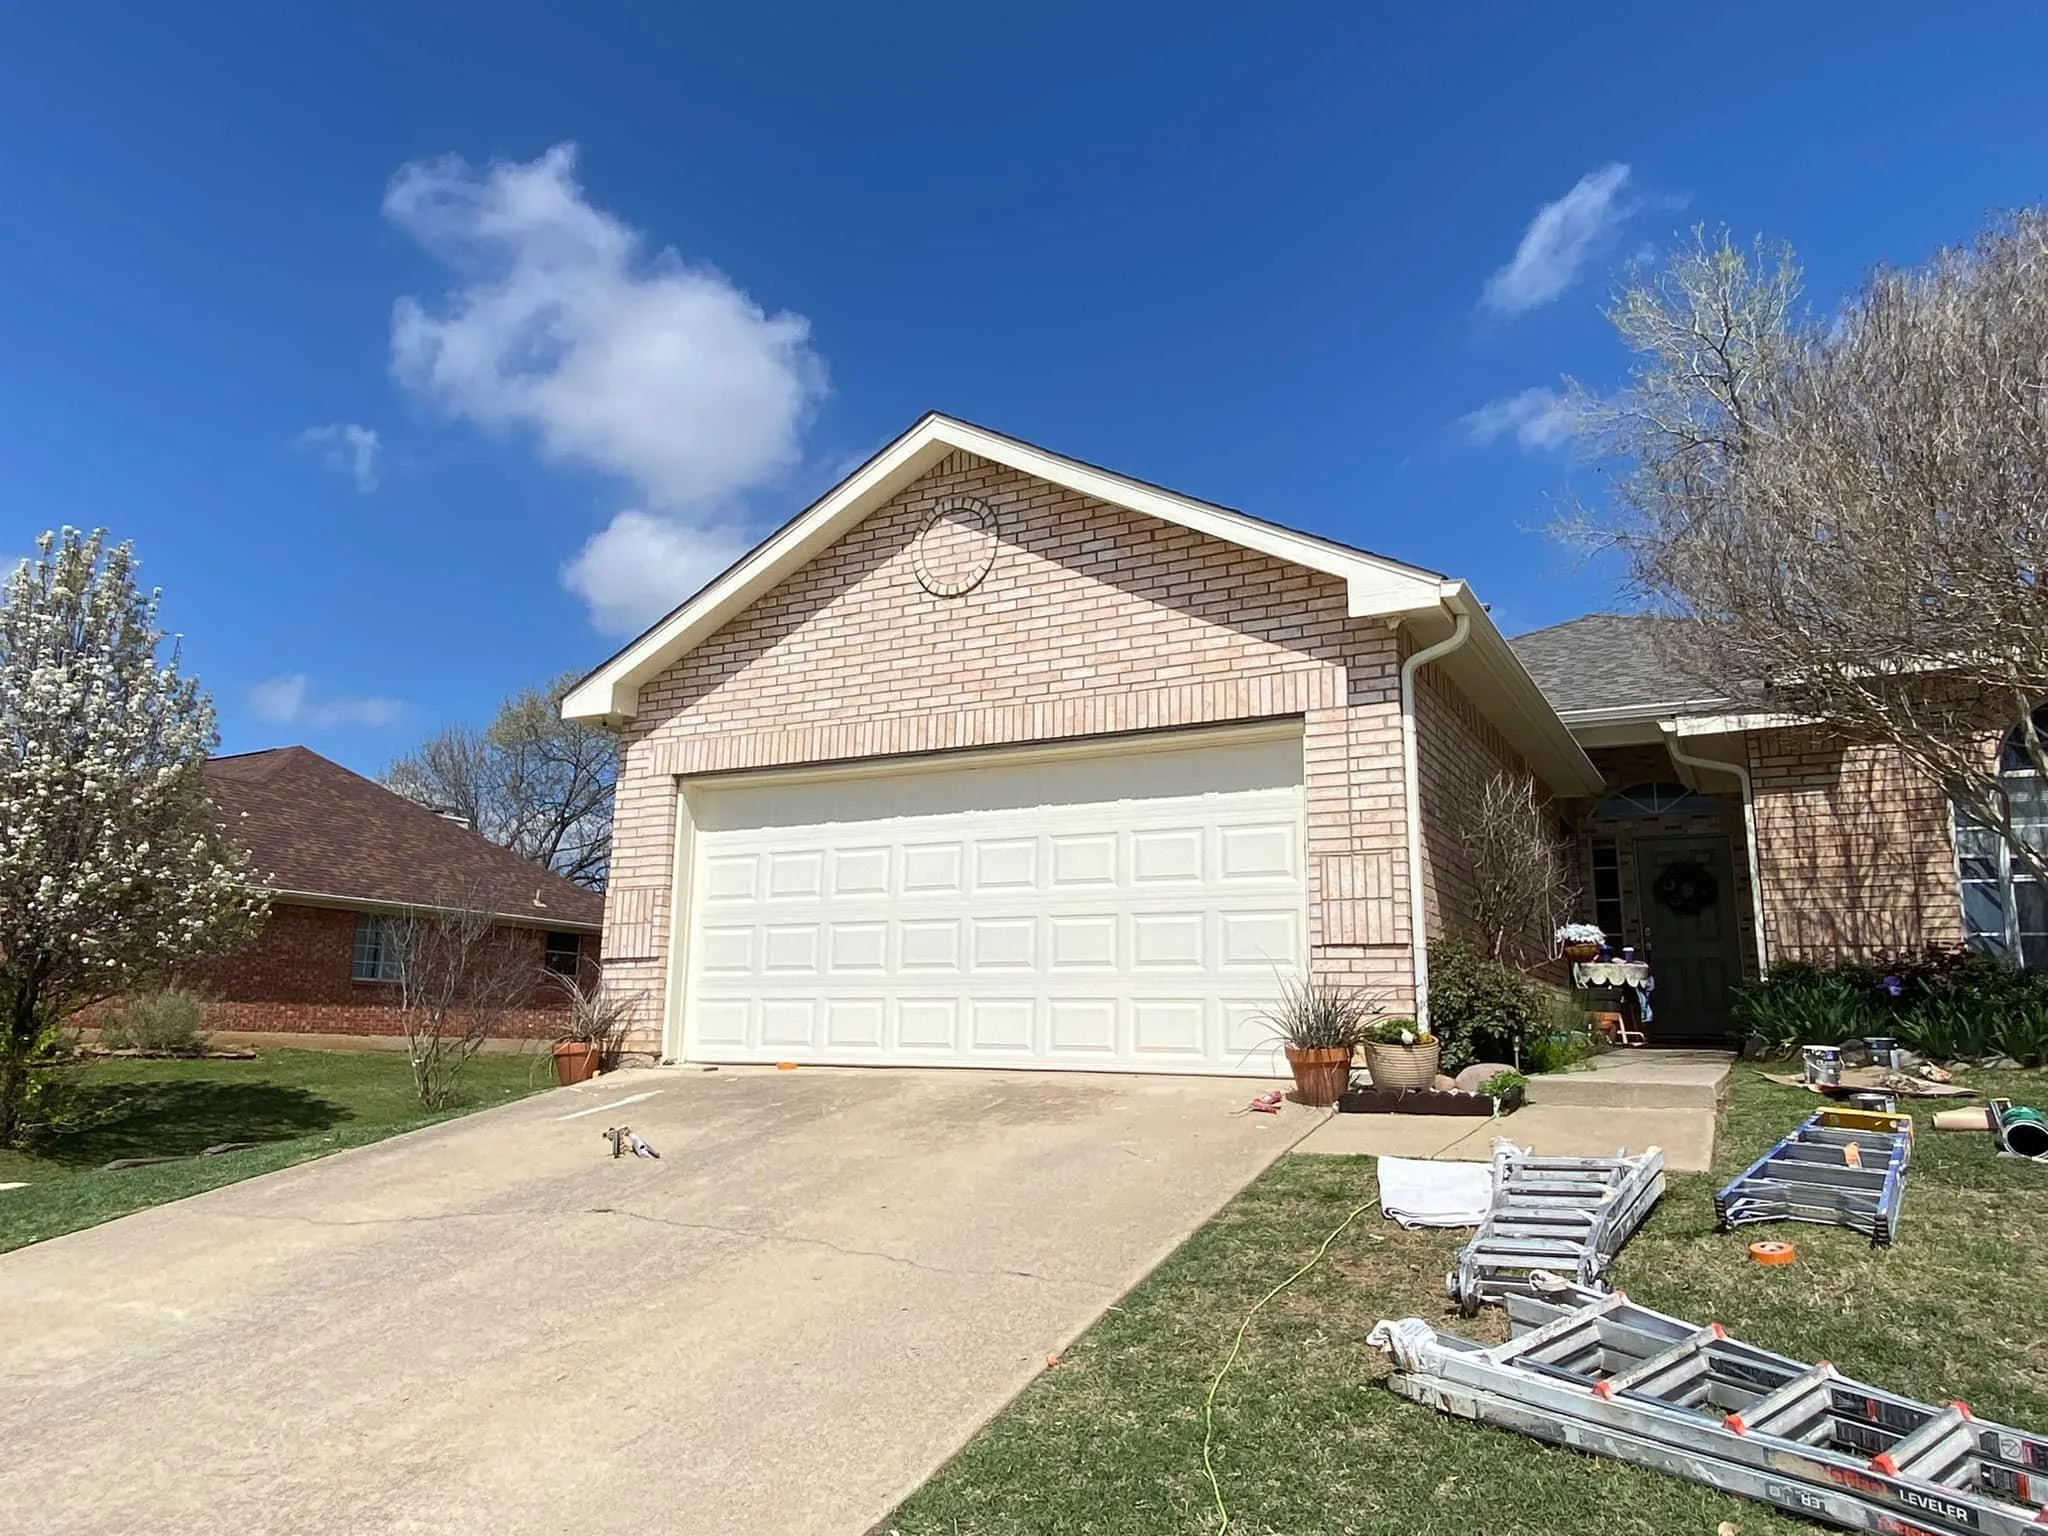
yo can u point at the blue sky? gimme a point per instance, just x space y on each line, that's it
421 348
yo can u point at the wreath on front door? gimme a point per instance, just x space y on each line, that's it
1687 889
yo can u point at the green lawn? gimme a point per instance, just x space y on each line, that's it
298 1104
1310 1441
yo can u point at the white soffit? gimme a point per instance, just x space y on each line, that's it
1373 585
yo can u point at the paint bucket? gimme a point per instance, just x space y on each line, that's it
1823 1064
1884 1050
2023 1131
1882 1103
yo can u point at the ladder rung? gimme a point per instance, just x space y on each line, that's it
1644 1378
1934 1452
1561 1330
1801 1393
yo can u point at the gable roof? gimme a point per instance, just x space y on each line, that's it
1375 586
314 829
1613 666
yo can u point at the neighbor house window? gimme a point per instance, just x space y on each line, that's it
379 948
564 954
1607 888
2005 911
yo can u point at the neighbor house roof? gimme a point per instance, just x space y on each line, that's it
1375 586
1613 666
315 830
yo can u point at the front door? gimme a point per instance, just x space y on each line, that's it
1685 891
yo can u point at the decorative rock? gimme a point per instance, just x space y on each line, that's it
1443 1083
1470 1079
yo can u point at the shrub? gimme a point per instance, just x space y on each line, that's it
1501 1084
1320 1015
1479 1009
1948 1005
171 1020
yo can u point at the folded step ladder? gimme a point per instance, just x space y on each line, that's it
1568 1216
1605 1376
1840 1168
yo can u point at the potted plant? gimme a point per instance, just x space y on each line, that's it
1320 1024
1580 942
593 1032
1401 1054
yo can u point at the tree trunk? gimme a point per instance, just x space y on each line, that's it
17 1052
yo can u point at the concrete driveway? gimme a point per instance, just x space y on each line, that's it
827 1283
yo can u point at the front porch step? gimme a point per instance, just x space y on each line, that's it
1640 1079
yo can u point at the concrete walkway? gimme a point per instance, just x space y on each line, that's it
1634 1099
825 1285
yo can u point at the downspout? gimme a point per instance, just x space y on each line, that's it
1411 797
1756 882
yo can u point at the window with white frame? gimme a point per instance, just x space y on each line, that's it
2005 910
380 952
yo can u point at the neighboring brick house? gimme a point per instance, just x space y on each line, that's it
991 757
1819 848
341 857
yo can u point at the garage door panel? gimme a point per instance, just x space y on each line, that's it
928 1025
934 867
860 872
1082 1026
931 945
1084 859
1259 939
856 1024
1085 942
1170 1026
1142 930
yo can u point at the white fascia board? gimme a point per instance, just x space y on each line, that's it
1373 585
1627 714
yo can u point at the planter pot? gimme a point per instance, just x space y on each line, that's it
1320 1076
575 1061
1402 1066
1581 954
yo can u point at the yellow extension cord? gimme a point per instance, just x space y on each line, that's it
1236 1344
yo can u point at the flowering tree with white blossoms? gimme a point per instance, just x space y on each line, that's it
113 864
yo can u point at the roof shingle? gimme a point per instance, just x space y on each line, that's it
314 828
1612 661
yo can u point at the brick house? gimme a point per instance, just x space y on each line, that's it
342 857
991 757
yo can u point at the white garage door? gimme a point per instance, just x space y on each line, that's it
1127 912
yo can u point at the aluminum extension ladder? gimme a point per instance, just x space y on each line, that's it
1839 1168
1605 1376
1566 1216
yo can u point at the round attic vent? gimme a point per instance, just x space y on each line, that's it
957 547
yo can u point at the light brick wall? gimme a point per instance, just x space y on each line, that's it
1855 848
1093 620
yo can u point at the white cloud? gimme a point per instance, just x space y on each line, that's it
1559 242
288 700
345 448
648 367
1536 418
643 565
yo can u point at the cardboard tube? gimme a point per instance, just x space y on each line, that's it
1974 1118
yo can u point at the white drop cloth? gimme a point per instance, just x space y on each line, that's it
1417 1193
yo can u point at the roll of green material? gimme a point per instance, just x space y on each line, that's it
2023 1131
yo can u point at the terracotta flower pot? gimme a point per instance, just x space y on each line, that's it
575 1061
1320 1076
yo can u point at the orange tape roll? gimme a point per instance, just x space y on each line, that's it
1773 1253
